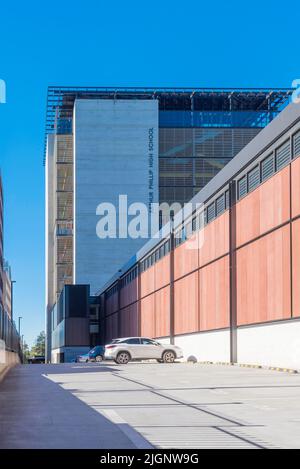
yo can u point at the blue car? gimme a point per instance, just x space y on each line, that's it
96 354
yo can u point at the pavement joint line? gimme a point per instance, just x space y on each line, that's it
257 445
134 436
184 403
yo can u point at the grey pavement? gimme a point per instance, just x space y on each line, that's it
144 405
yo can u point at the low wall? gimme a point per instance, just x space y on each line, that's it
8 360
271 345
211 346
275 345
206 346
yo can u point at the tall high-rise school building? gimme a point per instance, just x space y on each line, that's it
150 145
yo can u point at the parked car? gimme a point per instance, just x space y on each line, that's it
97 353
141 348
82 358
37 359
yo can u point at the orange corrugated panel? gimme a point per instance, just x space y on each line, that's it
263 279
214 239
186 304
263 209
214 295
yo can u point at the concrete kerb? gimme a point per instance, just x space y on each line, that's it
248 365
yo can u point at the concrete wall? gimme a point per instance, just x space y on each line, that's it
206 346
9 360
275 344
111 141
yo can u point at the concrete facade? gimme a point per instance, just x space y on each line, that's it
111 158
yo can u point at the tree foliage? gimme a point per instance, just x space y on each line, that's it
39 346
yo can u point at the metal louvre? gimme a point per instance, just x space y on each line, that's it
64 148
242 187
283 155
296 145
176 194
65 250
211 212
220 205
65 206
222 143
253 178
189 158
267 167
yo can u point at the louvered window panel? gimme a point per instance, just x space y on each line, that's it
283 155
227 199
253 178
211 212
220 205
267 168
242 187
296 145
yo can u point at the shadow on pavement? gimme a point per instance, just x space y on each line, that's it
35 412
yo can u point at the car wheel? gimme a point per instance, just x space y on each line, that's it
86 361
169 356
123 358
99 358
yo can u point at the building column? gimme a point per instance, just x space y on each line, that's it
232 272
172 293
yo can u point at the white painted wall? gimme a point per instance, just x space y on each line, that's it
275 345
111 157
206 346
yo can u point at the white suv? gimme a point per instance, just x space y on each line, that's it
141 348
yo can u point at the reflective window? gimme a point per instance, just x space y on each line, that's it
133 341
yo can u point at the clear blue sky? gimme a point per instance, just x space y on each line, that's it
120 43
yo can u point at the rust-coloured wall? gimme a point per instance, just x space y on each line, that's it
267 266
186 304
296 188
214 239
112 304
162 312
263 279
147 281
129 321
263 209
162 272
148 316
186 257
129 293
214 295
296 268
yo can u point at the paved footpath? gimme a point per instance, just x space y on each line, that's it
144 405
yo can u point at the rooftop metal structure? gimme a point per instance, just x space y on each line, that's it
60 99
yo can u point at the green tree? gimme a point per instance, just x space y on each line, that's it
39 347
26 352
